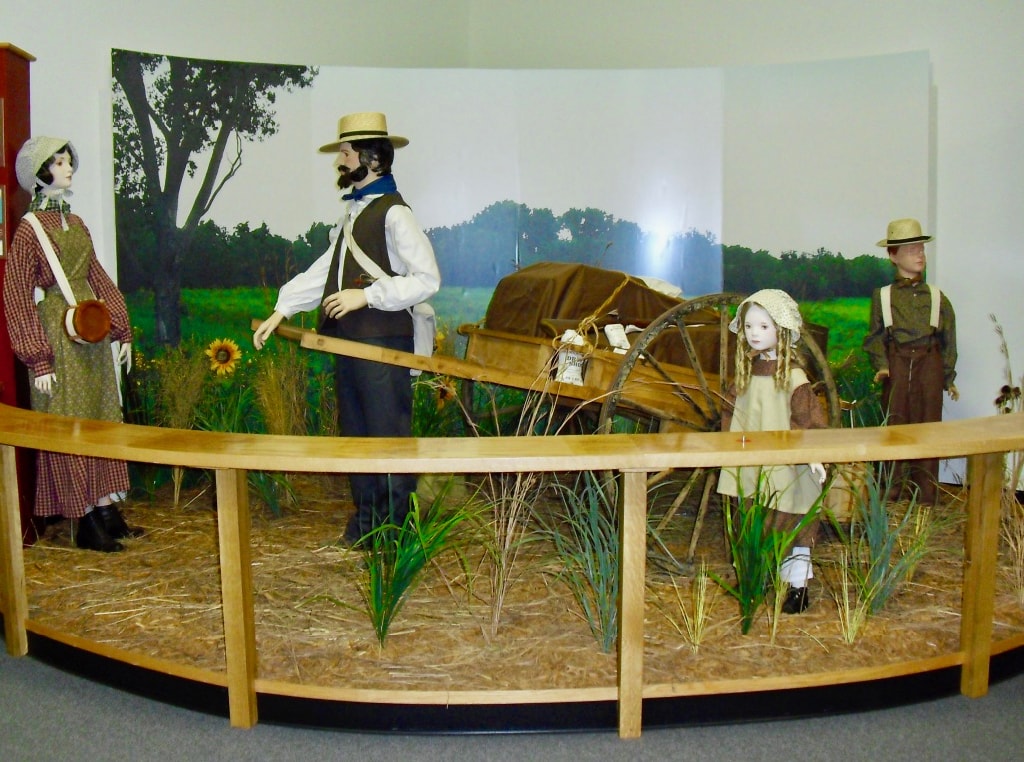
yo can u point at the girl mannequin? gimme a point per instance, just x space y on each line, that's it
67 378
771 393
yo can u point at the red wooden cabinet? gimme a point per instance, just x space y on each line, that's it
15 129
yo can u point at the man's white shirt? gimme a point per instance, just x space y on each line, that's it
410 255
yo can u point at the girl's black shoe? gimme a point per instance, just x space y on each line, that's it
796 601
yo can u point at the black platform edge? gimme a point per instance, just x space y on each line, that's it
159 686
681 711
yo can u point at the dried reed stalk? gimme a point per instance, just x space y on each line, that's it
696 612
1013 535
181 374
1011 400
281 386
853 608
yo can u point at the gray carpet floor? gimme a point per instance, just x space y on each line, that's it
47 715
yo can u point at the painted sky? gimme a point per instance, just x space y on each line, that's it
825 154
777 157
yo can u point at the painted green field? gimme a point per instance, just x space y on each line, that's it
847 321
209 314
227 313
218 313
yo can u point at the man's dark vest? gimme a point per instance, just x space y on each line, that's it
368 231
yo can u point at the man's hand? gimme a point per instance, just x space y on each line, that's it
953 392
267 327
45 383
343 302
881 375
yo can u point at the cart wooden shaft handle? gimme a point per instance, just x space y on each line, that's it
438 364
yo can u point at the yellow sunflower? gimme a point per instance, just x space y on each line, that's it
446 391
224 354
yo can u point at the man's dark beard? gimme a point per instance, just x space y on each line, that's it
346 176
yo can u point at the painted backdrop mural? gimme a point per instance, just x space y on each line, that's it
220 185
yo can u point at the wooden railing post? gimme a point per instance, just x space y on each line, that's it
233 529
633 541
981 552
12 556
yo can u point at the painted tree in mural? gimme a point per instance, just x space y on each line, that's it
170 114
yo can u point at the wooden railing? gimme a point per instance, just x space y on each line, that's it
982 440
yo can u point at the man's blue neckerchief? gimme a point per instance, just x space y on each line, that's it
385 184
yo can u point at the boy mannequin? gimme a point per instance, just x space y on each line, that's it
914 360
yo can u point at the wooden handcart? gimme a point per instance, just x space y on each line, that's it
673 377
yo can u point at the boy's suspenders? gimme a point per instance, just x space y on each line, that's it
886 295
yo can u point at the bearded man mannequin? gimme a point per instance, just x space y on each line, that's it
374 399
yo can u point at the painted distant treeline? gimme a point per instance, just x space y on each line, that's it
475 253
506 235
806 277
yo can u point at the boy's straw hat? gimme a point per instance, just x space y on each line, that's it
361 126
903 231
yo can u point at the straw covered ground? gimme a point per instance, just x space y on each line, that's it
161 597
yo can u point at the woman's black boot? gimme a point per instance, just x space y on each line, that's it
115 524
92 535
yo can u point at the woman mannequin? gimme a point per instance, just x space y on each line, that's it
68 378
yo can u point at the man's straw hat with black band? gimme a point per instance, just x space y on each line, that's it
362 126
902 232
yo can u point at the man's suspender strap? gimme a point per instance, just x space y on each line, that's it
933 320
